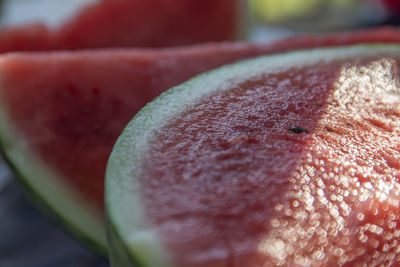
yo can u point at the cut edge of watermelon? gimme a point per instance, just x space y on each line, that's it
126 224
45 187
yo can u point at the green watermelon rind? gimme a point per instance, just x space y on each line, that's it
46 189
128 229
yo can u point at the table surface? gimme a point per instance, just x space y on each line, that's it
27 239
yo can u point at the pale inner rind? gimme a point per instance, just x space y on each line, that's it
123 200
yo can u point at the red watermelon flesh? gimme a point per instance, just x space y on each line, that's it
126 23
70 107
298 168
83 100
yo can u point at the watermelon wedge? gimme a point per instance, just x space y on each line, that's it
61 112
284 160
139 23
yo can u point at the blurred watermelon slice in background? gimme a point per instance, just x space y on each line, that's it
393 6
125 23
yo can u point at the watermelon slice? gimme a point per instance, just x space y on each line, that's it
60 113
139 23
285 160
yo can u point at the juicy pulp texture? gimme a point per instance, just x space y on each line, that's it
297 167
212 178
80 105
126 23
70 107
83 100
